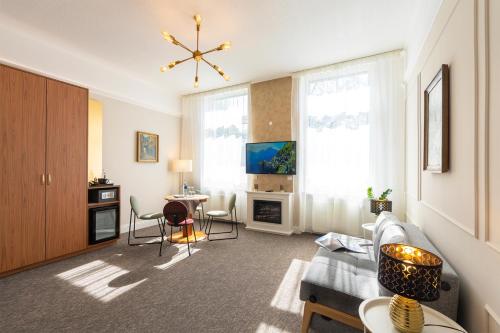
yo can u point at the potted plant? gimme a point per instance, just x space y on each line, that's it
380 204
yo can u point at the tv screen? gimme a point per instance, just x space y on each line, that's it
271 158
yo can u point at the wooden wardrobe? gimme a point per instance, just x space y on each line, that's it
43 176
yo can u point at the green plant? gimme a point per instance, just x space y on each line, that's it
382 197
369 191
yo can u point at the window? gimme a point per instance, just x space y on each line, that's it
225 133
337 132
349 126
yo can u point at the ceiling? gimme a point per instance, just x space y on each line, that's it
270 38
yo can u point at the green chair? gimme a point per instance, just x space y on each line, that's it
201 212
134 212
218 214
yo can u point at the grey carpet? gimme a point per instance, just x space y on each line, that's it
245 285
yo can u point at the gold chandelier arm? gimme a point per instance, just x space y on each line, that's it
218 69
209 63
176 42
183 60
196 82
210 51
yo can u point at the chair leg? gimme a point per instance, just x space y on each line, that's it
187 240
210 221
202 215
236 221
129 226
170 239
161 232
234 224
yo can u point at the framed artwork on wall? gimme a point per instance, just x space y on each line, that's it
147 147
437 123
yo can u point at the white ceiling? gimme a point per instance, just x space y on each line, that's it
270 38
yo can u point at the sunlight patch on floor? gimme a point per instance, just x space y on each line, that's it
179 256
95 277
266 328
287 295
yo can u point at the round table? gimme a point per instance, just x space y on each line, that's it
367 227
374 313
191 202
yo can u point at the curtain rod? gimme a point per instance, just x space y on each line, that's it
348 60
301 71
236 86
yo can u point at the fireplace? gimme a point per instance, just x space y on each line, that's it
267 211
270 212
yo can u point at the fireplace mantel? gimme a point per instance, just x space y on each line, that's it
286 200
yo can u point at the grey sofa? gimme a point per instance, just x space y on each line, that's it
342 280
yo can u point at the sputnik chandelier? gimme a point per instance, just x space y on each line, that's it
197 55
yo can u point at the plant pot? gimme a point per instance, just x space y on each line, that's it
378 206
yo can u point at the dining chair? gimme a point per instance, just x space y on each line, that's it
220 214
201 212
135 215
176 214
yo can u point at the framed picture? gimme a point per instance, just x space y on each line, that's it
437 123
147 147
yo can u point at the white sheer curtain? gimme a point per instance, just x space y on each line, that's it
214 134
349 127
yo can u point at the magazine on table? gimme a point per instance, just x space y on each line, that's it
333 241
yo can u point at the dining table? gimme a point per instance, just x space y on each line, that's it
188 231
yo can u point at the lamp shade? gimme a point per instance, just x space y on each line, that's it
410 272
182 165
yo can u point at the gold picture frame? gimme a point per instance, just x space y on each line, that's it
148 147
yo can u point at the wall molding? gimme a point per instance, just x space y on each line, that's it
487 55
449 218
476 122
419 137
475 230
441 21
490 313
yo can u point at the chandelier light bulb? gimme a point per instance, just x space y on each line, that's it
163 68
226 45
197 18
226 77
196 82
168 37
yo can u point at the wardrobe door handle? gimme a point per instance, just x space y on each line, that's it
49 179
43 179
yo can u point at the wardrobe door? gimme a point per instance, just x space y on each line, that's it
22 168
67 109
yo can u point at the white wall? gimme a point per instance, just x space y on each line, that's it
149 182
458 210
31 49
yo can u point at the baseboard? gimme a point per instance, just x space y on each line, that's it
284 233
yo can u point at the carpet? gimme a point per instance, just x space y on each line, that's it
246 285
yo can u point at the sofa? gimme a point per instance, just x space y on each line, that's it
335 283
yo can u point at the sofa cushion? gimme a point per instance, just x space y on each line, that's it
393 233
340 279
383 218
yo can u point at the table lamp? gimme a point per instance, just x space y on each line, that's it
182 166
414 275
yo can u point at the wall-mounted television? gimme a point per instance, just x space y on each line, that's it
277 158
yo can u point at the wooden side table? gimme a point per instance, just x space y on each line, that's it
374 313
